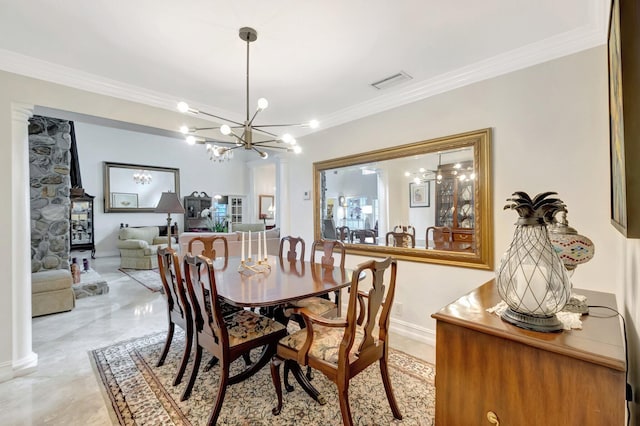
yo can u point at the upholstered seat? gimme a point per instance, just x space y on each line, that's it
139 247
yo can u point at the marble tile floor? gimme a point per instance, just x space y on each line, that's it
64 390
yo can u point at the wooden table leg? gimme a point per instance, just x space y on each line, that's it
306 385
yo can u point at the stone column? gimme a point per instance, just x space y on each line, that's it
24 360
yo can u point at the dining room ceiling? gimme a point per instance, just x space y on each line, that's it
312 59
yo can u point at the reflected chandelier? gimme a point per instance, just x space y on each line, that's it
242 133
142 177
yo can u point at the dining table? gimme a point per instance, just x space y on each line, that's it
278 284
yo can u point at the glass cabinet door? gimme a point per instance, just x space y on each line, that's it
81 224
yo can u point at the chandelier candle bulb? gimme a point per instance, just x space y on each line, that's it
531 283
259 246
249 254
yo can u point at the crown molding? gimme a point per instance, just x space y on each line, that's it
545 50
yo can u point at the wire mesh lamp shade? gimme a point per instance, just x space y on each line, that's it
532 279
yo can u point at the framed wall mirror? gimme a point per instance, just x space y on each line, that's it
266 206
428 201
131 188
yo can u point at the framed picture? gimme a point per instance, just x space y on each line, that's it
124 200
419 194
624 108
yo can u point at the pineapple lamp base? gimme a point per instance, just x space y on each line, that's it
550 324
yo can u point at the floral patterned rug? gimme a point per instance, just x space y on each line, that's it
140 393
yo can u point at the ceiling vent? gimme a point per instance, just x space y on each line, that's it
392 80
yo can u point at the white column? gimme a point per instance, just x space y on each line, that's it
24 360
282 196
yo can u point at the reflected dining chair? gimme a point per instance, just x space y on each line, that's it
441 237
405 228
400 239
343 233
343 347
178 307
227 338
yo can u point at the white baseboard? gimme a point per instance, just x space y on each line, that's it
27 365
412 331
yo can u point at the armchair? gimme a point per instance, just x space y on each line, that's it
139 246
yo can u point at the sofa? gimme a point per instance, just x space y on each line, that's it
51 292
234 241
139 246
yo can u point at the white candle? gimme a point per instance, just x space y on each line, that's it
249 244
242 255
264 239
531 285
259 247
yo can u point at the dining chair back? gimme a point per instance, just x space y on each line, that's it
328 249
293 243
209 245
343 233
400 239
441 237
178 307
225 337
341 348
405 228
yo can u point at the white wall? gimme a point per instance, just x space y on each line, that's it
550 132
97 144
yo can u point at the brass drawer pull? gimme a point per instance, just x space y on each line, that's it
493 418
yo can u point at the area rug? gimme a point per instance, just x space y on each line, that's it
138 392
91 284
150 278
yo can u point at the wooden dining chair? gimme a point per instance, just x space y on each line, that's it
343 347
209 244
405 228
343 234
400 239
441 236
178 307
227 338
293 243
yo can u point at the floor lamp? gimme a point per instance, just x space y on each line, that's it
169 203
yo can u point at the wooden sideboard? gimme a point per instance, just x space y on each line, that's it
485 365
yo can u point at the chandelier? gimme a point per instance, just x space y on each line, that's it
242 134
142 177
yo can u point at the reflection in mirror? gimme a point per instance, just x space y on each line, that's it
427 201
267 207
137 188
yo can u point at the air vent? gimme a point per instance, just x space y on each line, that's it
392 80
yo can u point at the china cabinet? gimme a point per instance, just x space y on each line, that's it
491 372
81 235
455 200
193 206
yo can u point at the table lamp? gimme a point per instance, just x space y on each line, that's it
169 203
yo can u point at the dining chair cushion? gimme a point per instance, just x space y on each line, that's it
245 325
317 305
326 342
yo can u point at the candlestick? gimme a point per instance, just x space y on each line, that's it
259 246
249 244
242 255
264 239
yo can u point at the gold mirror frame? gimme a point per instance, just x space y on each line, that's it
169 175
480 141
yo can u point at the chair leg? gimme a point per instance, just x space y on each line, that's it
194 372
384 371
247 358
275 376
287 385
167 344
222 389
212 363
343 396
185 355
309 373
